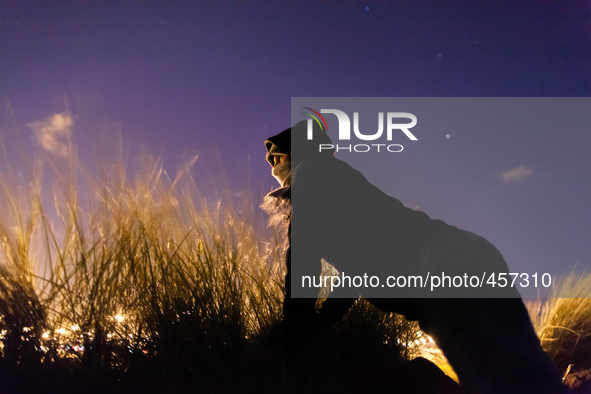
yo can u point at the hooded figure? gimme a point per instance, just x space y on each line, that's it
337 215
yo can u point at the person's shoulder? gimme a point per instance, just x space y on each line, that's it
325 164
330 176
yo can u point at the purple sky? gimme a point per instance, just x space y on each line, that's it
195 76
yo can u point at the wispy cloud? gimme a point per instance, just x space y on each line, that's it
53 134
516 175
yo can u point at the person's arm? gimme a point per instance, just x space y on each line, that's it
314 221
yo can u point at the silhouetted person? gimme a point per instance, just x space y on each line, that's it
337 215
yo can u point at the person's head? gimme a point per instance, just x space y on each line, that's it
281 168
279 156
279 149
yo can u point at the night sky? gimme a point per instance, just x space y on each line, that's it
198 77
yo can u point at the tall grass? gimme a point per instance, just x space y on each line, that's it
147 282
124 268
563 324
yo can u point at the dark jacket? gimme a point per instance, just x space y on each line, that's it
337 215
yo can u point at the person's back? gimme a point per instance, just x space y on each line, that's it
359 228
